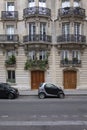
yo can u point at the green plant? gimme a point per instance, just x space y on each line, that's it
32 64
11 60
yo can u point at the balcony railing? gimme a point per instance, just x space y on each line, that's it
76 63
9 15
9 38
71 11
70 38
40 11
37 38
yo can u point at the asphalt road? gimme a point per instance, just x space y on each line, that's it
31 113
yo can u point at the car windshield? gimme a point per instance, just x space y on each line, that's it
50 85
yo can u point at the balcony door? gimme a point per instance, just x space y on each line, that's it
43 31
66 30
42 3
10 8
10 32
32 31
31 3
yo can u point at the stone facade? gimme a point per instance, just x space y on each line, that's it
48 40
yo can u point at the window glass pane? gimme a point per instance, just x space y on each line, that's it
65 3
65 28
10 6
76 3
42 3
31 3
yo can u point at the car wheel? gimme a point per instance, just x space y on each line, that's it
41 95
10 96
61 95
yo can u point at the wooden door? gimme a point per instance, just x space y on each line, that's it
70 79
37 77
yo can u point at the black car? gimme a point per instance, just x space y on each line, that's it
6 91
50 90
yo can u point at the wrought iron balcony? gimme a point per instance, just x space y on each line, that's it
33 11
71 11
66 63
9 15
37 38
9 38
71 38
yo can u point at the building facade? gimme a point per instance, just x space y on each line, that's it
43 41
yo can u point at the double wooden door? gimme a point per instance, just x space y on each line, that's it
37 77
70 79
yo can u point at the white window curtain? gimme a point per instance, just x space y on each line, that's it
65 3
76 3
65 54
10 29
77 28
42 3
76 54
42 55
31 55
65 28
10 6
31 3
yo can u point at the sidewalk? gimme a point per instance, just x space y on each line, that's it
78 92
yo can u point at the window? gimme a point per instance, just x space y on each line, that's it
42 55
32 55
65 3
76 54
32 31
31 3
77 28
10 29
65 28
76 3
10 53
11 76
65 55
10 6
42 3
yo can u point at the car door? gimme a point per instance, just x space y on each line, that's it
51 89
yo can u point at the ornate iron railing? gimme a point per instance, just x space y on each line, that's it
71 11
37 37
10 38
9 15
65 63
27 12
71 38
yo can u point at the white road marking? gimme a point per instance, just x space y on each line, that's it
43 123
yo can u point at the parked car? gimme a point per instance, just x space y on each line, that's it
50 90
6 91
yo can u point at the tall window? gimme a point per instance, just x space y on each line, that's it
32 31
32 55
66 28
42 3
31 3
76 54
65 54
42 55
65 3
10 6
42 31
11 76
77 28
10 32
10 53
76 3
10 29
